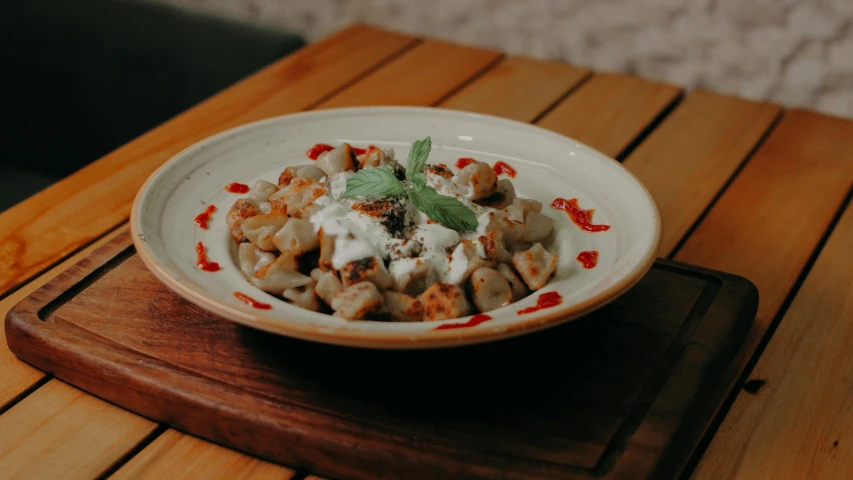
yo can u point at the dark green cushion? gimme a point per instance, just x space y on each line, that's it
81 77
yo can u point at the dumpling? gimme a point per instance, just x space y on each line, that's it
336 161
402 307
303 297
521 207
357 301
374 157
239 212
298 198
536 228
327 250
297 237
479 178
259 193
502 198
280 275
490 290
519 289
493 246
261 229
368 269
300 171
535 265
327 285
252 259
443 301
410 275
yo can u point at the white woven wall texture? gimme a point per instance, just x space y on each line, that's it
795 52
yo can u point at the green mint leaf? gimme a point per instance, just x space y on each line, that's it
418 157
373 182
447 211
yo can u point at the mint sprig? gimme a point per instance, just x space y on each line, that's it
418 157
375 182
381 182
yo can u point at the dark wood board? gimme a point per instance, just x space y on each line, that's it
626 392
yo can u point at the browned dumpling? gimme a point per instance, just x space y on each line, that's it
259 193
493 246
252 259
443 301
368 269
327 250
517 285
300 171
535 265
338 160
240 211
490 290
303 297
402 307
297 199
479 178
357 301
261 229
475 261
297 236
280 275
375 157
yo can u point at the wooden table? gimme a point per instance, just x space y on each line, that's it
744 187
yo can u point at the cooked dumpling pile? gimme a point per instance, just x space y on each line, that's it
382 258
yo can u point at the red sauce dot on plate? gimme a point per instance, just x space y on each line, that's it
582 218
316 150
237 188
588 259
545 300
473 321
251 301
204 217
464 162
503 167
201 259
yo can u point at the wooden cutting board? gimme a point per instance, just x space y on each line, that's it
627 392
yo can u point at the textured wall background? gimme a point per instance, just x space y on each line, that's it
796 52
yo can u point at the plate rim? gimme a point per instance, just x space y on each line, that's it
377 339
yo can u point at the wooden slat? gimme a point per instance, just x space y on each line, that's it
770 219
99 196
198 459
426 74
518 88
17 376
608 111
61 432
689 157
798 424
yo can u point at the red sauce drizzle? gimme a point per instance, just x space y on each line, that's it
316 150
588 259
201 259
503 167
581 217
237 188
251 301
546 300
204 217
361 151
464 162
473 321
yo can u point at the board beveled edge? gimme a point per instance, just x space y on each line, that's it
354 451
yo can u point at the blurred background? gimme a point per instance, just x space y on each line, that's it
94 74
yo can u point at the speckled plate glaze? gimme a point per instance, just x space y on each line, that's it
548 165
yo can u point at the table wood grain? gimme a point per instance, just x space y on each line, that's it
742 187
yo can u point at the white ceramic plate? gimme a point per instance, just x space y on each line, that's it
548 165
